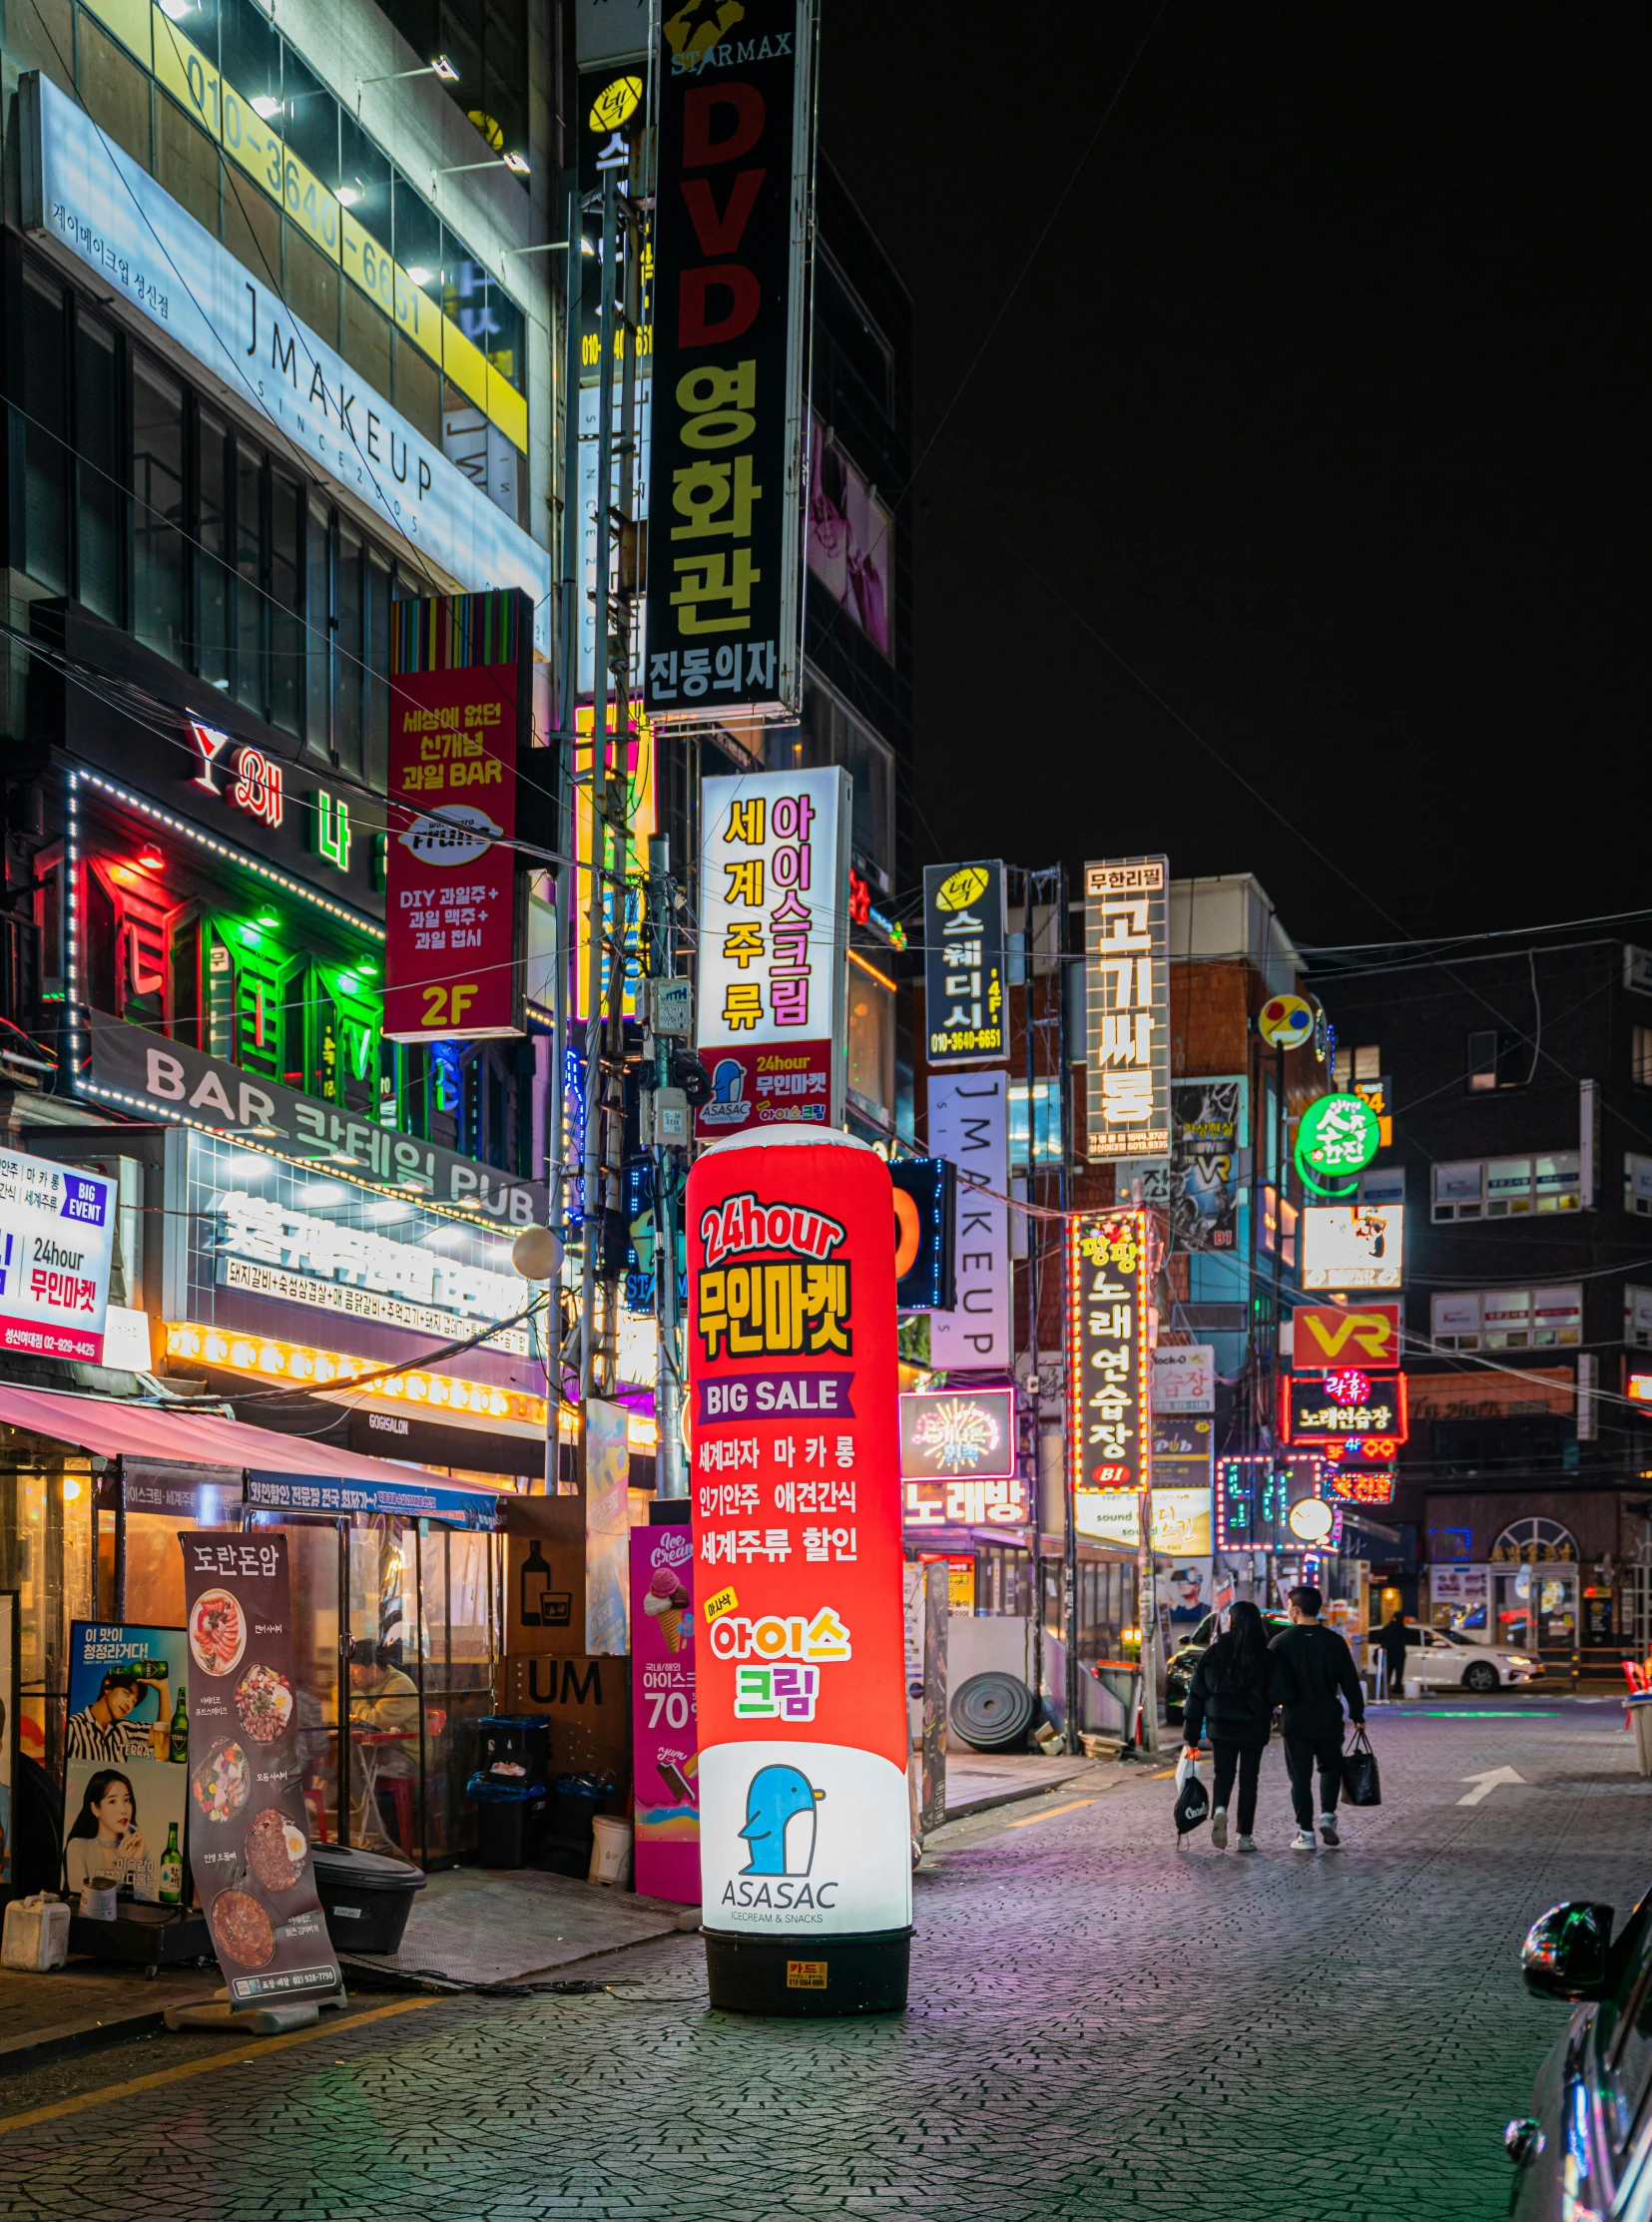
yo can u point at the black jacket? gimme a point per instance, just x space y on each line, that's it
1319 1664
1233 1708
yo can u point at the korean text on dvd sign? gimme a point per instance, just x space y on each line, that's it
1127 1007
963 964
458 701
804 1826
1108 1421
57 1234
731 224
774 928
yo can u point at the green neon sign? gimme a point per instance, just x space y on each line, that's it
1336 1139
329 827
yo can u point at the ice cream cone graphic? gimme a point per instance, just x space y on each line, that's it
671 1627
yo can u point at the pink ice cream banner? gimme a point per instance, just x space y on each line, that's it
664 1728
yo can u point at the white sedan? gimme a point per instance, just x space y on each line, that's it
1447 1661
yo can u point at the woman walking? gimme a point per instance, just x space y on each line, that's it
1235 1688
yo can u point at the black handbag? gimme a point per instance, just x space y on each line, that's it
1193 1805
1361 1783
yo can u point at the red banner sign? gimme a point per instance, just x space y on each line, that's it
450 899
801 1681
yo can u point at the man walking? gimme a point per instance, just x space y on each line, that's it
1320 1666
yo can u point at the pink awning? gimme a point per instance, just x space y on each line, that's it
109 1426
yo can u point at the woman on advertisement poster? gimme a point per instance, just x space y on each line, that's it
104 1838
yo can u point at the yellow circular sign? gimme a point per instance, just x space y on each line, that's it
616 104
1286 1021
962 887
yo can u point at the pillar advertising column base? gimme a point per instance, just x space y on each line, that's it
809 1975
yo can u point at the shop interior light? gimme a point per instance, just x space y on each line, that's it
419 275
71 1487
348 196
442 67
150 858
517 164
267 105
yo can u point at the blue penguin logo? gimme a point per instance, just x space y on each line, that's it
729 1105
780 1821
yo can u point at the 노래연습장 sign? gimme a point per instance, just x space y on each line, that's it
804 1828
250 1834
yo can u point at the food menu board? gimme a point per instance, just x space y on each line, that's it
248 1843
124 1787
666 1739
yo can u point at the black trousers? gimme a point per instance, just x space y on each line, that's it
1248 1763
1302 1755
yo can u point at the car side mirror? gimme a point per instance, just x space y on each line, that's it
1565 1955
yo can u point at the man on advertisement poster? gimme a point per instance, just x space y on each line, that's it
103 1730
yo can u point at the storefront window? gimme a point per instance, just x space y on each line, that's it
46 1556
872 1045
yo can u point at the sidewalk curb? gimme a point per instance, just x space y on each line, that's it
989 1800
26 2054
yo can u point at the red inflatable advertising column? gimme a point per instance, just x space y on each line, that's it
804 1825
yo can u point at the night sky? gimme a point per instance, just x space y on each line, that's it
1317 408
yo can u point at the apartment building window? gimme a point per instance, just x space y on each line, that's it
1640 1056
152 509
1508 1318
1637 1317
1508 1187
1637 1183
1496 1060
1047 1122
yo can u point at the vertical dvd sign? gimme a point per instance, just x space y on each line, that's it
1109 1417
453 898
731 228
1127 1007
804 1828
774 930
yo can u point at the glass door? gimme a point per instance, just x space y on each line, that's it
386 1718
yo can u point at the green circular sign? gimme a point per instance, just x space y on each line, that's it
1336 1139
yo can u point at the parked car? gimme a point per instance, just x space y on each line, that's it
1445 1660
1586 2148
1187 1655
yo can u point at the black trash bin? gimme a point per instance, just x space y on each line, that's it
576 1800
514 1747
365 1896
510 1820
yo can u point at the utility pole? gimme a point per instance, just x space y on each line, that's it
615 591
670 1006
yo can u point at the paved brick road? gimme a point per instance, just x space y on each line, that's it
1103 2030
